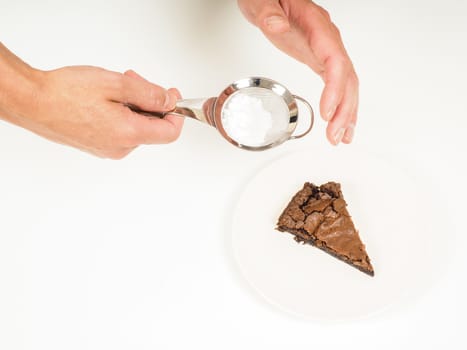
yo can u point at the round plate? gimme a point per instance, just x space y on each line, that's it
393 212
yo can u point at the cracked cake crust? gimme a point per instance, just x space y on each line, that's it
318 215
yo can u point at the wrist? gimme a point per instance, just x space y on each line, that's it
20 86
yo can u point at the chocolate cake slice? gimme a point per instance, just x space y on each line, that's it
318 215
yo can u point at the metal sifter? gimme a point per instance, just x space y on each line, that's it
252 113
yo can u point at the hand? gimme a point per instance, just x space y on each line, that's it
85 107
304 31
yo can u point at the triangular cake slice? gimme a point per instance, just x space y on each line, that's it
318 215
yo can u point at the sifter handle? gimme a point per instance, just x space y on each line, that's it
312 116
200 109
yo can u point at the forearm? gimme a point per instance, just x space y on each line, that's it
84 106
19 87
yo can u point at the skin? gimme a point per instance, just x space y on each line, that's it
86 107
304 30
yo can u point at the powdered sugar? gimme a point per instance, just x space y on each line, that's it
254 119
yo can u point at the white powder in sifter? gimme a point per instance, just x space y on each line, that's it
245 120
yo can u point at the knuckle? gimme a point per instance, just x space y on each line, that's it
125 135
176 134
324 13
173 135
156 96
118 82
98 153
118 154
353 78
316 10
341 60
117 78
115 156
336 31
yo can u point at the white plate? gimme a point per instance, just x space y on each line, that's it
392 211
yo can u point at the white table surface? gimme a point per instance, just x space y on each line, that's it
135 254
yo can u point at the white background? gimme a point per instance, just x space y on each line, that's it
135 254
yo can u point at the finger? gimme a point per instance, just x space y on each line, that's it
268 15
155 130
335 76
137 91
176 120
133 74
115 154
343 116
175 92
350 131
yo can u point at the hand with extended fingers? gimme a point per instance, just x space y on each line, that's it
304 30
87 107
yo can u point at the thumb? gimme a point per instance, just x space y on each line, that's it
268 15
148 96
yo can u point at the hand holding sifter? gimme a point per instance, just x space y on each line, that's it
252 113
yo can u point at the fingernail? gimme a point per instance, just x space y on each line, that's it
348 136
276 22
330 113
167 101
338 136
